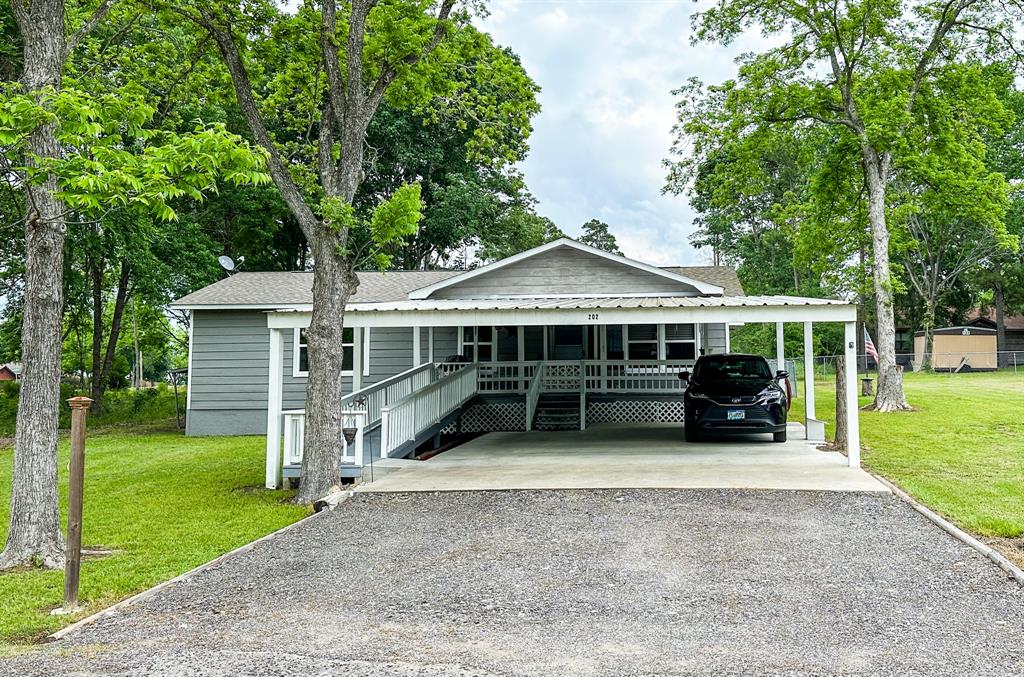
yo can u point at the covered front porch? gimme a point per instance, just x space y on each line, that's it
592 362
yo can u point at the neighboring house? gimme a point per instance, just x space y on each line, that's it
10 371
1014 325
561 335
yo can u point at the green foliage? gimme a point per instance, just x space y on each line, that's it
774 160
116 160
395 219
596 234
128 406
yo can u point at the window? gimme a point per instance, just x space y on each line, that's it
300 356
478 343
680 342
904 341
643 342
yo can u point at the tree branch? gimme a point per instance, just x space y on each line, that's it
97 16
390 72
247 104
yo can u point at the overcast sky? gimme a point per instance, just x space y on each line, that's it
607 69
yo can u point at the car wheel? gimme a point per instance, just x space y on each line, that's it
779 437
690 434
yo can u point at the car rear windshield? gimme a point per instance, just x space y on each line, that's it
729 367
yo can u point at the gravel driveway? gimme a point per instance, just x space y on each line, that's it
577 582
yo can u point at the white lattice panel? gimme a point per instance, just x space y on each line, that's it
492 417
635 411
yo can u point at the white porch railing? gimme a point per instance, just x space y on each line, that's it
294 437
404 420
653 376
533 394
363 406
380 394
609 376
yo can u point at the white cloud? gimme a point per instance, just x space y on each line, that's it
554 19
607 77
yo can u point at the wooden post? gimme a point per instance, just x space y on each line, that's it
73 559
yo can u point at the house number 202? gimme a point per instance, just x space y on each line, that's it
591 316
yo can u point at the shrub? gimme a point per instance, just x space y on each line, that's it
120 406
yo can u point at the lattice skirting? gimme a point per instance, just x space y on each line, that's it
486 417
635 411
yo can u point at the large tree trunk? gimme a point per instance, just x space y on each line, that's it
889 396
1003 359
34 536
322 446
929 333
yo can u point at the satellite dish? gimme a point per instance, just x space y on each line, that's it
226 263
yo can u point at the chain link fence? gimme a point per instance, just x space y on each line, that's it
939 362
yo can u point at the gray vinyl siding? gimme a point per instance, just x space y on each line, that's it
446 342
713 338
562 271
229 362
390 353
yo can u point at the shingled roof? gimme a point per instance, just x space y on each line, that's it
271 289
720 276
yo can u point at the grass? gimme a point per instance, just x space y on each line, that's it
961 452
162 502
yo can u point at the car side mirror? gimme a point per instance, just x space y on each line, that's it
779 375
684 376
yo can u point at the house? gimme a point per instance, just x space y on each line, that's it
1013 324
561 335
10 371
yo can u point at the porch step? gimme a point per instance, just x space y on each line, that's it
557 411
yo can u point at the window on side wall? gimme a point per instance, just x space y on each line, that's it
680 342
300 356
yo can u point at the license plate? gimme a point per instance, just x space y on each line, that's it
735 415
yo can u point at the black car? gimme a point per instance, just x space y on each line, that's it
735 393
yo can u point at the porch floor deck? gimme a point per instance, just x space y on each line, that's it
611 456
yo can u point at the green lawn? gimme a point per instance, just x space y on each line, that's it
163 502
961 452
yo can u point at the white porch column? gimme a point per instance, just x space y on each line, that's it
852 413
366 350
728 337
430 344
274 402
780 347
416 347
809 412
357 358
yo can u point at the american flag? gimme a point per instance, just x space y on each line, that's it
869 345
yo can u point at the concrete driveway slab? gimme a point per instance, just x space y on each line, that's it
635 582
607 456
